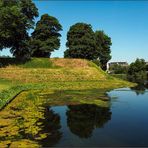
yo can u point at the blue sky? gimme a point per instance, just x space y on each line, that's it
126 22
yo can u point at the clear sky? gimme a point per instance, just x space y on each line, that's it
126 22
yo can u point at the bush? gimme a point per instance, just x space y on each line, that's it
118 69
97 62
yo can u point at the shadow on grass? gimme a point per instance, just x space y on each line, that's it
4 62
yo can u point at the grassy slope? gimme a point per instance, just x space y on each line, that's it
41 70
67 74
4 84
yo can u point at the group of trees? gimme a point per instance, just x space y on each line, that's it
118 69
17 17
83 42
137 71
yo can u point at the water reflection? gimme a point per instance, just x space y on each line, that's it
27 122
83 119
146 84
51 127
141 88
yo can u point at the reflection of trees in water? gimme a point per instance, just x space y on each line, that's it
25 121
51 126
146 85
83 119
140 88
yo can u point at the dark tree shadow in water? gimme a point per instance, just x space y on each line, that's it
51 126
140 89
83 119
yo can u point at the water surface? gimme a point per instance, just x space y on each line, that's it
41 119
124 123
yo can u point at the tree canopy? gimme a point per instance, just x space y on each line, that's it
45 37
103 43
81 42
16 18
137 71
118 69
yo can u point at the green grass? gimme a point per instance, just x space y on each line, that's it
120 76
38 63
8 94
46 70
54 74
5 84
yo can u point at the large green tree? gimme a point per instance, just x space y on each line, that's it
103 43
46 36
81 42
16 18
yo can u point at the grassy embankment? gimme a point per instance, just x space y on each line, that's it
53 74
48 82
120 76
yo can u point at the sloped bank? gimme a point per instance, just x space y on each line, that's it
55 74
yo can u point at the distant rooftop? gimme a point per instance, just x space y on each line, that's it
118 63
